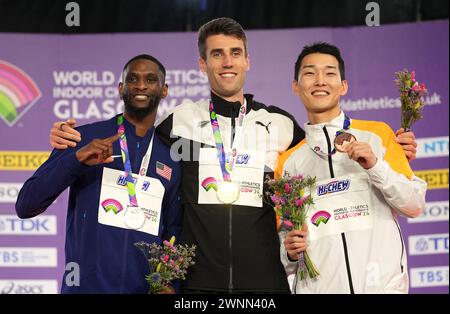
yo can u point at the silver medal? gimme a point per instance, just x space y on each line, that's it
134 217
228 192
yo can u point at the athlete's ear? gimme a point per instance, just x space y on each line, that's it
295 88
165 91
344 88
202 64
120 89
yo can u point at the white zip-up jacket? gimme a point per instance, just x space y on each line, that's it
371 259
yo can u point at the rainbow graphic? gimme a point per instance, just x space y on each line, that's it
112 204
320 216
18 92
210 183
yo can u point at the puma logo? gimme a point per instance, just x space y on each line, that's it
266 126
201 124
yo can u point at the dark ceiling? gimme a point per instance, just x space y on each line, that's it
98 16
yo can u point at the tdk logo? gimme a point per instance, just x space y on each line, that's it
428 244
333 187
41 225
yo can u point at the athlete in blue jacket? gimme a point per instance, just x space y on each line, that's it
105 217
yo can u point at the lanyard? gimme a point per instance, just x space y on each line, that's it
227 168
345 127
127 164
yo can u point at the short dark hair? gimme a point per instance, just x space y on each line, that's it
150 58
223 25
320 47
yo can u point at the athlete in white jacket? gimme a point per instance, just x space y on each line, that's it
353 235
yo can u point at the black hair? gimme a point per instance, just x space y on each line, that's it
147 57
320 47
224 25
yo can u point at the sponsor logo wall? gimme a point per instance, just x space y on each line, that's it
51 80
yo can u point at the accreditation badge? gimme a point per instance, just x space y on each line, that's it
247 182
113 209
340 205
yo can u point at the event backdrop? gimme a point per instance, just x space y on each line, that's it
45 78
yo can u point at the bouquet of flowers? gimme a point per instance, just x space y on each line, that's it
411 97
292 199
167 262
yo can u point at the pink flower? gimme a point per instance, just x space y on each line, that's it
422 87
166 258
287 188
415 86
274 199
288 224
299 202
413 75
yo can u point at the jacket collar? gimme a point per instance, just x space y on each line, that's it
315 135
230 109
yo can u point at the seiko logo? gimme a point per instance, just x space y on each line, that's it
333 187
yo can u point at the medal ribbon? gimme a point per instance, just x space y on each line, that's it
345 127
227 168
127 164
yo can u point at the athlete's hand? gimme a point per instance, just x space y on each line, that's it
408 142
362 153
98 151
295 242
63 134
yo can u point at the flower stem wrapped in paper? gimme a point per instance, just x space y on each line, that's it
167 262
292 200
411 94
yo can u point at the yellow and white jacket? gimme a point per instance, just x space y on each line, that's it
373 259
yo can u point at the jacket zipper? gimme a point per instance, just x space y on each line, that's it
344 241
403 245
230 217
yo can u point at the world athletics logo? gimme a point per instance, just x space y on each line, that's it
210 183
18 93
320 217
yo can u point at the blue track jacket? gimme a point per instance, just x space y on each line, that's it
109 262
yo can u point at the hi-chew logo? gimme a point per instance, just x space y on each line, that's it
333 187
18 93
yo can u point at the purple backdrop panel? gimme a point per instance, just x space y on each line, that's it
46 78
